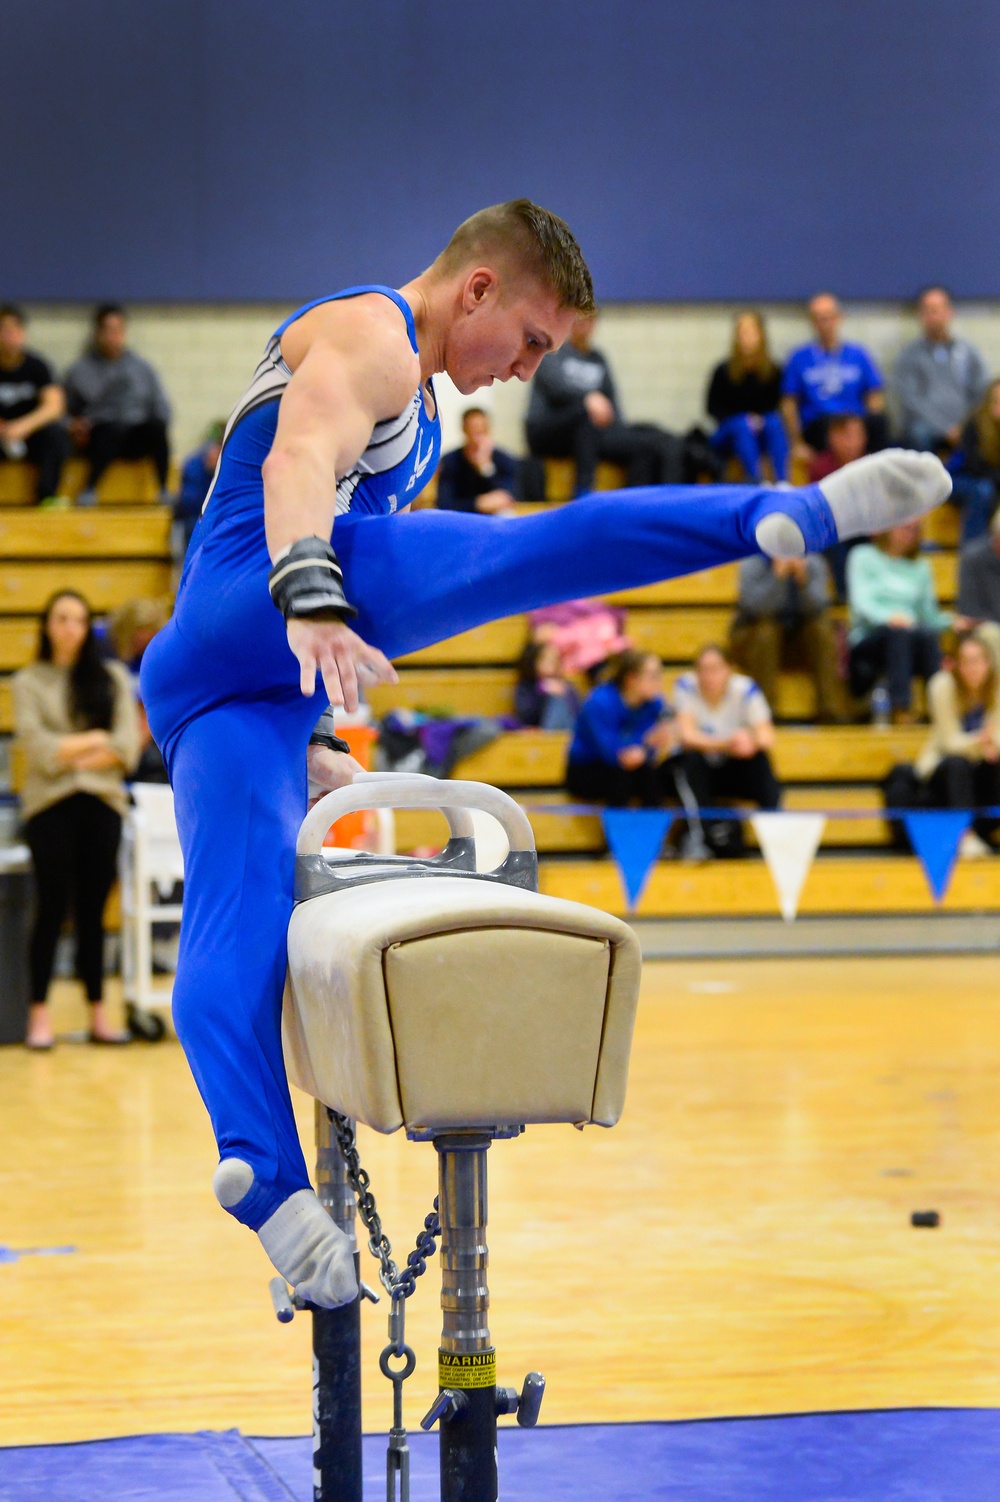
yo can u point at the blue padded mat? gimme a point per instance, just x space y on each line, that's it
922 1455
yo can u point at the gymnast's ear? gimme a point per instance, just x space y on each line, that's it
481 286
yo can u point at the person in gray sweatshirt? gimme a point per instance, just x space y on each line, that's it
938 378
783 616
116 401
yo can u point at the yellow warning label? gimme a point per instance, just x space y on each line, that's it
477 1370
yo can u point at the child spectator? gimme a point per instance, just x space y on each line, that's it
478 476
895 620
623 737
196 481
976 467
118 408
846 440
725 728
586 634
32 406
743 397
544 697
960 763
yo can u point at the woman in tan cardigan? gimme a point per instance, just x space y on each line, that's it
75 718
961 761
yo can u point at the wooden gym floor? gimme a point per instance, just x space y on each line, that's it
740 1244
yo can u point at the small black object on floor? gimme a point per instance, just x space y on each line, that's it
929 1218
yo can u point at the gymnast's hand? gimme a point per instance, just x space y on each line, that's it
340 656
329 770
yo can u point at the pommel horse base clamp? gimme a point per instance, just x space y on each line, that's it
461 1005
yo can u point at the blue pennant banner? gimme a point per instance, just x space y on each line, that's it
935 836
14 1254
635 838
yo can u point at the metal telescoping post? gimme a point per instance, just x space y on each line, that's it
466 1360
336 1346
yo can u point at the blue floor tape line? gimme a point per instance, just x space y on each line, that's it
909 1455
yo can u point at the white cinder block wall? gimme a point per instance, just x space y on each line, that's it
661 355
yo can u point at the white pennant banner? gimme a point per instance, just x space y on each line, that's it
789 843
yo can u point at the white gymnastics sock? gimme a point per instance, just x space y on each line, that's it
867 496
306 1247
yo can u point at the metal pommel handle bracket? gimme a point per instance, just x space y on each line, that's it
416 790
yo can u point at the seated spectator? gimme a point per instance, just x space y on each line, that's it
979 580
846 440
196 481
478 476
976 466
622 739
32 406
74 716
895 620
938 378
586 634
544 696
725 728
118 408
827 379
783 610
573 413
743 397
960 763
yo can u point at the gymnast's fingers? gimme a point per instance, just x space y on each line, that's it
348 676
375 665
307 673
332 679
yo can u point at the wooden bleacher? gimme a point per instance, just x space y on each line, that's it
116 551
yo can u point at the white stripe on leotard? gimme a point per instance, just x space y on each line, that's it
388 446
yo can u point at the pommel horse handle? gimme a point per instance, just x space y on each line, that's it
416 790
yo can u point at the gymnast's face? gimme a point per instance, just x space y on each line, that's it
502 329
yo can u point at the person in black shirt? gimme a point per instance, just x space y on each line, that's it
743 397
31 406
573 413
478 477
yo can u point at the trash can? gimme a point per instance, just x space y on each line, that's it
16 895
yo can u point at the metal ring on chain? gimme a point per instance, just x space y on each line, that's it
409 1360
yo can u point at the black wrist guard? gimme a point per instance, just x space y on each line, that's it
329 740
324 734
307 580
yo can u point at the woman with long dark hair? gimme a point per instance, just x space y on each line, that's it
75 718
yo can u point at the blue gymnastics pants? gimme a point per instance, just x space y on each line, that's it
222 694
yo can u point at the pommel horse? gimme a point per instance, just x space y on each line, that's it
461 1005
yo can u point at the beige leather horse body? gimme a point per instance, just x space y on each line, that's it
459 1005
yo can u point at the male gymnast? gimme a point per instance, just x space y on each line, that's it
334 437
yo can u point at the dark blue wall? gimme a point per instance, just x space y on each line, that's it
274 149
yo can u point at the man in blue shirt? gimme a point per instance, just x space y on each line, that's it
829 378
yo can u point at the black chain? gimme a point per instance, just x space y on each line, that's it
398 1285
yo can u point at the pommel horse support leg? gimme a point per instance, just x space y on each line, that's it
461 1005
